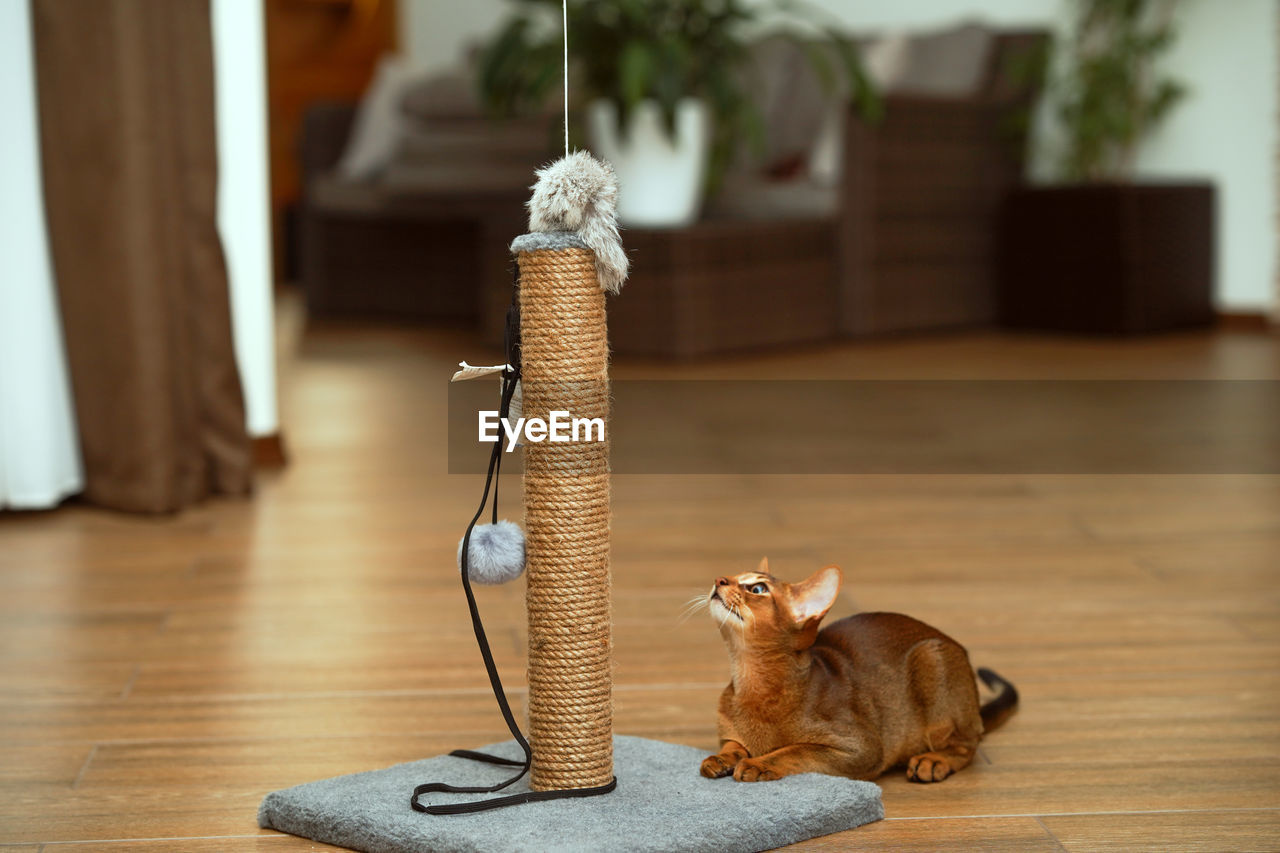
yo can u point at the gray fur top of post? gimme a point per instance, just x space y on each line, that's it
579 193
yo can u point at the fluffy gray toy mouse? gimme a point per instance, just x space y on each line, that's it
580 193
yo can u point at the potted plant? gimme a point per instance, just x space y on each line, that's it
1101 252
665 83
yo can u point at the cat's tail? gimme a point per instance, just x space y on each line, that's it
999 707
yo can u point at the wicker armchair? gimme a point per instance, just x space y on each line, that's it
921 200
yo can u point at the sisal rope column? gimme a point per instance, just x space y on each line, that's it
564 353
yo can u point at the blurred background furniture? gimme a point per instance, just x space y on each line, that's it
919 219
413 244
1108 259
896 235
728 284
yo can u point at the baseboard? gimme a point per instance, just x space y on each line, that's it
1245 321
268 451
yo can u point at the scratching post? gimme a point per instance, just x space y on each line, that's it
564 349
571 258
567 264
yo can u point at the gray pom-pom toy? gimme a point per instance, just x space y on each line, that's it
496 554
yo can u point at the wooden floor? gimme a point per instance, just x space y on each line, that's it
159 676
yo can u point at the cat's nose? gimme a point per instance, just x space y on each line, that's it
722 581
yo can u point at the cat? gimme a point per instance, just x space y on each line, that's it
865 694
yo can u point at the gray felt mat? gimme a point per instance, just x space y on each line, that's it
661 804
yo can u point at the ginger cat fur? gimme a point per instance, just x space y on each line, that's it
867 693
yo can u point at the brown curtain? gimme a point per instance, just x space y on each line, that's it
130 178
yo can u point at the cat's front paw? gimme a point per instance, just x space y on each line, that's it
716 767
754 770
928 767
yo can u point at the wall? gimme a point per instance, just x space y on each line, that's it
434 33
243 201
1225 131
39 447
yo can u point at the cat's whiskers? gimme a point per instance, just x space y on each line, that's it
692 606
736 610
700 600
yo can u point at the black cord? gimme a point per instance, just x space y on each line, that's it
511 352
486 653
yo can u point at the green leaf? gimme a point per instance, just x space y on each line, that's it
1111 92
1167 95
821 63
635 72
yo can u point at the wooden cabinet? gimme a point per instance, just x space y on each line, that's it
317 50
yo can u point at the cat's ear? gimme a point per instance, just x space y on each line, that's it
763 568
812 598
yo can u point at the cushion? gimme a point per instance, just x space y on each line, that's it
451 94
379 123
791 97
885 61
333 193
947 64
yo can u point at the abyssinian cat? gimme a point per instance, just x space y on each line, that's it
866 693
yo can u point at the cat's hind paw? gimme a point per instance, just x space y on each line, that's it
928 767
716 767
754 770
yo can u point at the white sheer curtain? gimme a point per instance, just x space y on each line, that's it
39 453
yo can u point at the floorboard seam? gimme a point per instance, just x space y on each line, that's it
1242 628
84 768
406 693
133 677
1082 527
1152 570
1057 841
262 835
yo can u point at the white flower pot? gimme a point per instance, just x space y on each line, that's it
659 178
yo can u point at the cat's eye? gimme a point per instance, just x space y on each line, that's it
757 589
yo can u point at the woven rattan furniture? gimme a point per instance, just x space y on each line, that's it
723 285
1108 259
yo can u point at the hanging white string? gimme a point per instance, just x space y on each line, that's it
564 8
